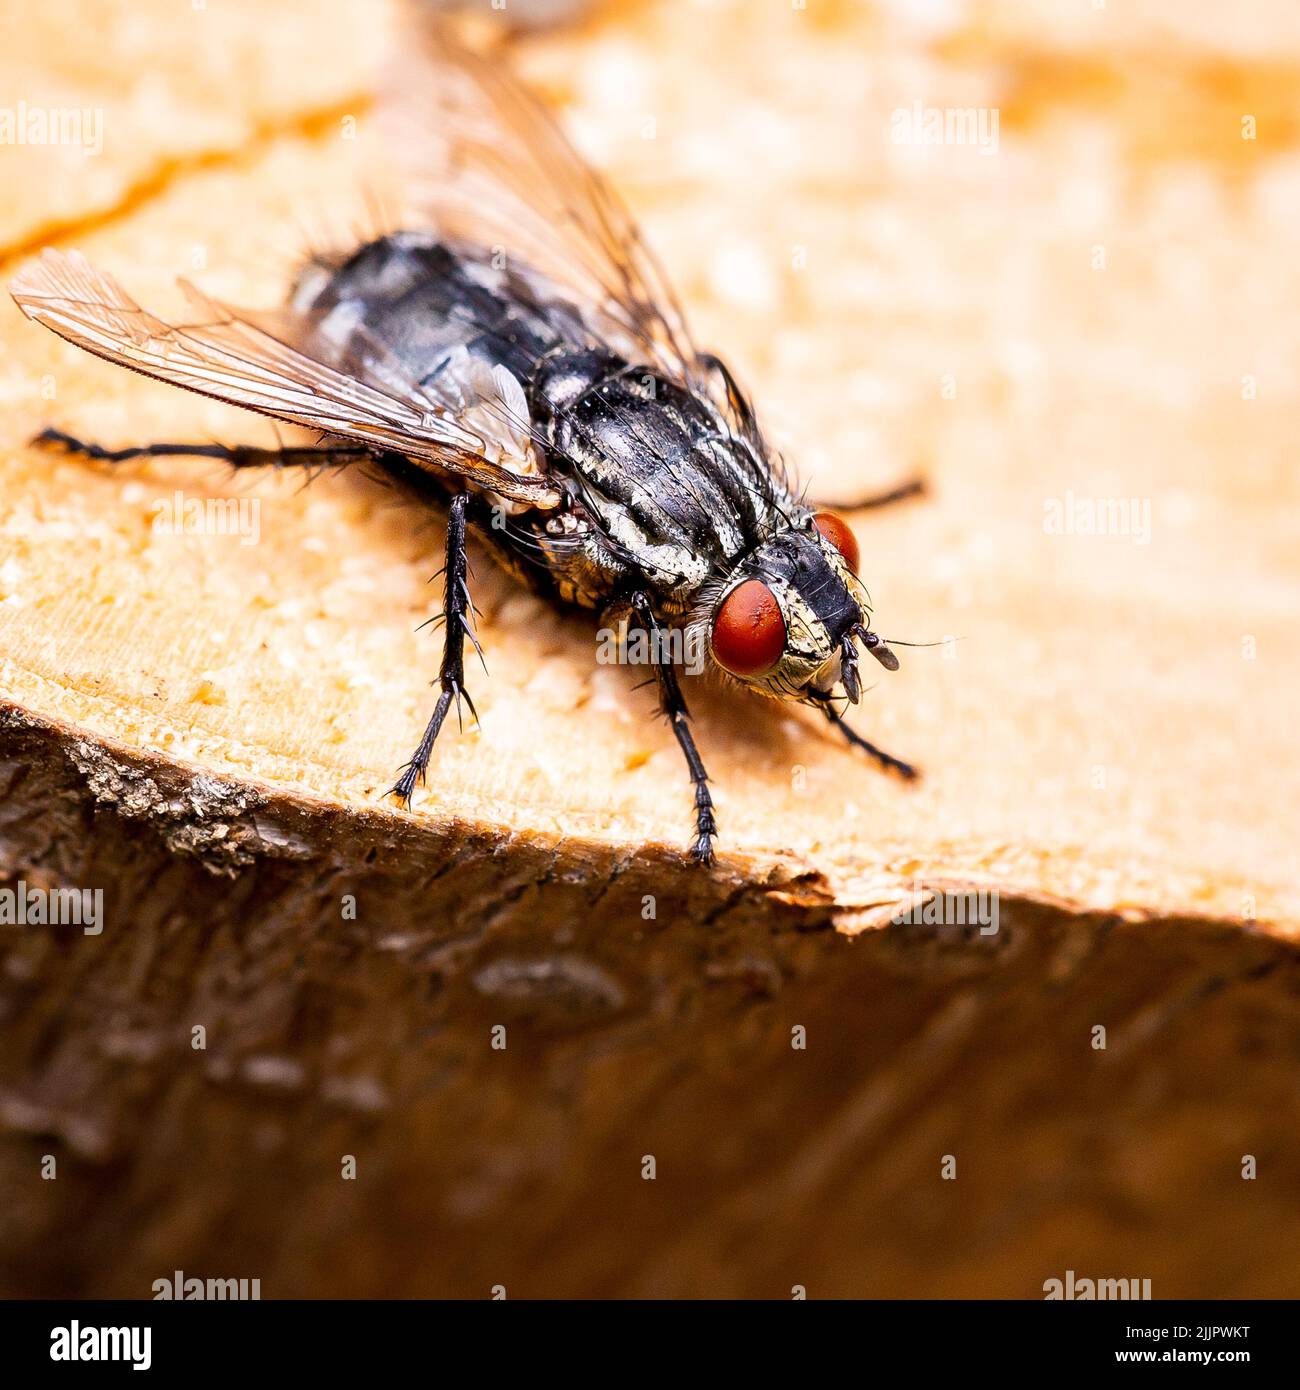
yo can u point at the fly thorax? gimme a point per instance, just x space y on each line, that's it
563 377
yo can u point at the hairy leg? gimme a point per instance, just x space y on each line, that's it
913 487
237 455
674 708
451 675
886 760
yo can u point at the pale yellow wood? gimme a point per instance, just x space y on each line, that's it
1100 733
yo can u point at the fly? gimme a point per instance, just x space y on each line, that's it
518 353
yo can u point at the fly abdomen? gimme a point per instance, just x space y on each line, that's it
422 300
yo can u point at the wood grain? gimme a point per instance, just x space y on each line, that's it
1100 310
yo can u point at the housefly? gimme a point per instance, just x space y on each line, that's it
517 351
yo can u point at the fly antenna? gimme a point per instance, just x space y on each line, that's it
877 647
897 642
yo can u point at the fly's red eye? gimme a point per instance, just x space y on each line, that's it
836 530
748 630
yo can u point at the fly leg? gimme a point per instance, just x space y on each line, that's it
913 487
673 705
714 366
710 364
451 675
237 455
886 760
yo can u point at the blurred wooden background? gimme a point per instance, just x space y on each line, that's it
1096 305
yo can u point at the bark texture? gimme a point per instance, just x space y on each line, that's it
675 1038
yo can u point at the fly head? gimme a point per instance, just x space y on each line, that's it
790 618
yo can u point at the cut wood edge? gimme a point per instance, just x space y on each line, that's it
225 823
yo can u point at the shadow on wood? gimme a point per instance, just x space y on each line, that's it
627 1037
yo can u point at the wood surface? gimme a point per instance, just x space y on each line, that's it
204 728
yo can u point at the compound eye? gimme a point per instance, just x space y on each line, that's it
748 630
836 530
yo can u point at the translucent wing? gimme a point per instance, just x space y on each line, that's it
484 162
259 362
